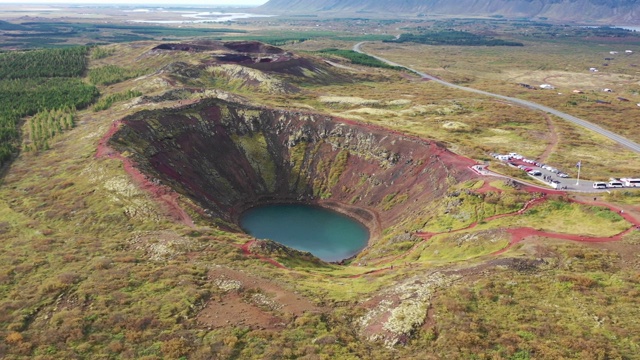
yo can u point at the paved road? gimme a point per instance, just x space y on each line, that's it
528 104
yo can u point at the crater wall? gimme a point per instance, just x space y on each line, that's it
228 157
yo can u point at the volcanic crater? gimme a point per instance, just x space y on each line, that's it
228 157
252 57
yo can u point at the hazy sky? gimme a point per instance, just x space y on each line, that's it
141 2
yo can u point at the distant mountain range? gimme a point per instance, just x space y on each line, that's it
582 11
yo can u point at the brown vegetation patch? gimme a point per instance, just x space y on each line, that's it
487 187
247 301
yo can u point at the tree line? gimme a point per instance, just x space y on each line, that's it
453 37
100 52
36 82
106 102
47 124
358 58
111 74
66 62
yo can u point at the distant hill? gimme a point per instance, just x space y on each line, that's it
584 11
4 25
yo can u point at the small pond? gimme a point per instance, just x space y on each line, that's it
326 234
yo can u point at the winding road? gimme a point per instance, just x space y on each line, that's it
633 146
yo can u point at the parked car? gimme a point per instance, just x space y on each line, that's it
535 172
599 185
563 175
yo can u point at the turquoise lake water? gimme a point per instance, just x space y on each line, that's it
326 234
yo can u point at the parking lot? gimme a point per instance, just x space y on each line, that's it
553 177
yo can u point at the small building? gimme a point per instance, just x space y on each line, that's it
593 69
613 52
607 90
628 51
576 91
547 86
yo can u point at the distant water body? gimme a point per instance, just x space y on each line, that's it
626 27
324 233
192 17
633 28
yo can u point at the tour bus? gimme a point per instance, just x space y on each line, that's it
628 182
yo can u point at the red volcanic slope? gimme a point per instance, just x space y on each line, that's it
167 197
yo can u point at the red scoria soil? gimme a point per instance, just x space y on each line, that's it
246 250
164 195
519 234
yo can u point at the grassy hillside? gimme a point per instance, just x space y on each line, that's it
101 261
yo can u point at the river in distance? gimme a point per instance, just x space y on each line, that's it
326 234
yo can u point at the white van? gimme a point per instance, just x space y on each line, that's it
599 185
615 184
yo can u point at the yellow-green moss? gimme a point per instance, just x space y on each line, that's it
392 200
296 157
256 151
338 167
